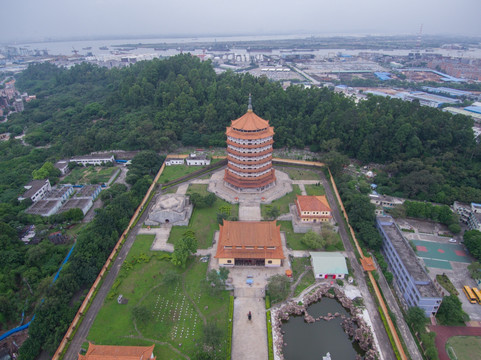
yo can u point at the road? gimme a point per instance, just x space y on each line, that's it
386 350
84 328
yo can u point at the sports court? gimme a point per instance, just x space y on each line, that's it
439 255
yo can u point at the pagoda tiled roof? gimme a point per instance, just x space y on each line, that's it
250 122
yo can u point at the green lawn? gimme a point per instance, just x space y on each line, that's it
314 190
89 175
299 173
464 347
198 188
283 202
293 239
203 221
176 171
298 267
173 317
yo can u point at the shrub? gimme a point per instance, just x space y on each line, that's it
231 323
269 335
340 282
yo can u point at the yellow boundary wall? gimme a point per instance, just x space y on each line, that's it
89 296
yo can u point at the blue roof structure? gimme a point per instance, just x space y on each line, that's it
474 109
383 76
445 90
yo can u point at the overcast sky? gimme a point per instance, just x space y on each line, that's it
42 19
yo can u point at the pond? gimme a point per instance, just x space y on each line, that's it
314 340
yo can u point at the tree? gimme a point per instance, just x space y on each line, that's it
46 171
313 240
171 278
223 273
214 283
455 228
212 336
417 318
183 248
451 312
475 270
278 287
141 314
472 241
273 212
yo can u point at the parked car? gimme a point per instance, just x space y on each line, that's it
452 240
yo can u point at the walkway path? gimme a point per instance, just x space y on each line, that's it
161 236
249 338
443 333
303 189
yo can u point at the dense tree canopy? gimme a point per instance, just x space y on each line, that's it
160 104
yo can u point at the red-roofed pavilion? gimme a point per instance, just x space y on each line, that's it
249 153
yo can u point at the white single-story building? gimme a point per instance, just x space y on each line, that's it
62 165
174 161
327 265
197 159
93 159
44 207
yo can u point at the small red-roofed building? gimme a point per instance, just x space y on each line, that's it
312 209
250 243
111 352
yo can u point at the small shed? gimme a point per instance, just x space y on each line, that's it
328 265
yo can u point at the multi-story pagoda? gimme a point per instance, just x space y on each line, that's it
249 153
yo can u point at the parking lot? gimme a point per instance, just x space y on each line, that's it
442 256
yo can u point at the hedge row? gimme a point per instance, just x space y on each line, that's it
231 324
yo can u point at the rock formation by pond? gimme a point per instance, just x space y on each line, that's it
353 326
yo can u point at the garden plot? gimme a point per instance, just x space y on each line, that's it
181 313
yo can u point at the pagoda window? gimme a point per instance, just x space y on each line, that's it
228 247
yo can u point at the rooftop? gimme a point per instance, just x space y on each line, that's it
91 157
408 257
35 185
74 203
328 263
87 191
263 236
313 203
42 207
108 352
61 164
250 122
58 192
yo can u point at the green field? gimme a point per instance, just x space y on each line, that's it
298 267
89 175
314 190
283 202
464 348
299 173
177 312
293 239
176 171
203 221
